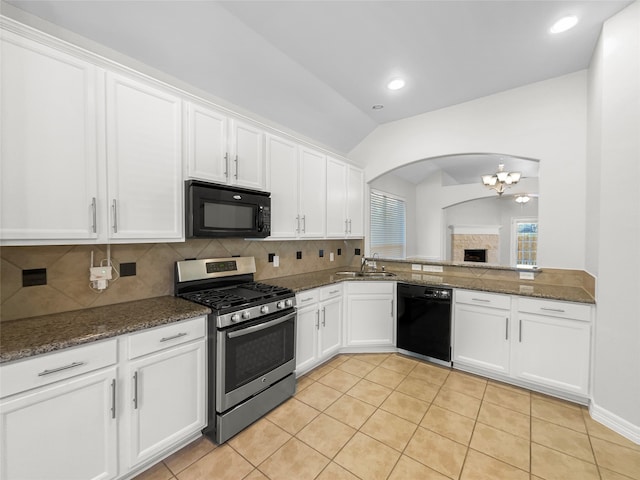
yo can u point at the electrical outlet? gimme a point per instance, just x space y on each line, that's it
416 267
331 257
299 255
276 260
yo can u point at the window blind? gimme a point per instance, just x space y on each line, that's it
388 214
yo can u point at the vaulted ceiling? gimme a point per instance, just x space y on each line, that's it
318 67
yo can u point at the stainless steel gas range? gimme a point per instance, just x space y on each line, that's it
251 340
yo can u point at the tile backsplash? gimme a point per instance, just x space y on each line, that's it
67 269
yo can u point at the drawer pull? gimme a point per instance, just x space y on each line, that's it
306 299
481 300
59 369
135 390
331 292
558 310
506 328
173 337
113 398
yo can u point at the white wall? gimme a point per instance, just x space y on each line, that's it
614 224
545 121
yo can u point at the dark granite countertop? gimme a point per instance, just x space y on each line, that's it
529 289
36 335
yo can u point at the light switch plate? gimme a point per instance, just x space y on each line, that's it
276 260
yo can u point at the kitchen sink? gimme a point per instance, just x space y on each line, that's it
365 274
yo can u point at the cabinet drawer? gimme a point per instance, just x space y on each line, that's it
49 368
166 336
385 288
307 297
484 299
331 291
575 311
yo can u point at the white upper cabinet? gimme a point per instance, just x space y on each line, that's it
282 166
312 189
345 200
297 177
144 162
49 183
207 155
355 202
224 150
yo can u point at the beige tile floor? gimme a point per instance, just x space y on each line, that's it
387 416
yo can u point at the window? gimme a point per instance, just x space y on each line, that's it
388 214
526 242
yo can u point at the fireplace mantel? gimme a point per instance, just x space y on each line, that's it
475 229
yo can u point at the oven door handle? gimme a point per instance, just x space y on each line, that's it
260 326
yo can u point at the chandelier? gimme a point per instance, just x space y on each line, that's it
500 180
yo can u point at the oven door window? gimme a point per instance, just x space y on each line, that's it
254 350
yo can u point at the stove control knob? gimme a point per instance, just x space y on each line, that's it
235 318
246 315
264 309
288 303
280 304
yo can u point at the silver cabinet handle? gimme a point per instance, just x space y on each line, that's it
226 164
113 398
317 319
298 224
331 292
94 226
304 224
324 317
558 310
135 390
349 225
346 226
481 300
236 160
306 299
520 331
506 328
114 208
392 307
59 369
173 337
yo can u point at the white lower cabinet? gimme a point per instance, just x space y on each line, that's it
370 314
537 343
319 326
168 392
73 414
481 333
59 415
553 345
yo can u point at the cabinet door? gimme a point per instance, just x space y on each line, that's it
337 223
482 337
308 322
330 327
282 160
144 161
355 202
554 352
49 179
313 194
370 320
207 157
66 430
168 399
246 165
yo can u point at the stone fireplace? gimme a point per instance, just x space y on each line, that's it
481 243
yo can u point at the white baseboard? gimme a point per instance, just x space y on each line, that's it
615 423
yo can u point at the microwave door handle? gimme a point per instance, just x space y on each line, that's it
260 219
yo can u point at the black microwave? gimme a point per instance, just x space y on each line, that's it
215 211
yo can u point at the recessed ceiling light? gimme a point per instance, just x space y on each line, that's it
564 24
395 84
378 107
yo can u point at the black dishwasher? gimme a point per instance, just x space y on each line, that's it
424 322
